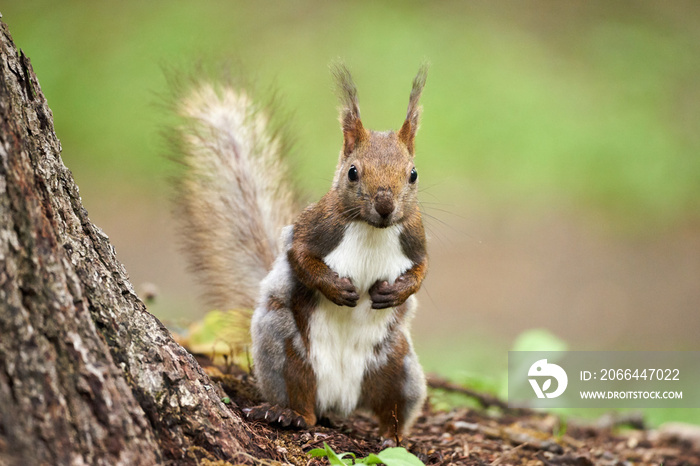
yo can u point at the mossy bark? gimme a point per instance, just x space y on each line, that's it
87 375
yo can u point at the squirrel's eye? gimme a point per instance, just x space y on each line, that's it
414 176
352 173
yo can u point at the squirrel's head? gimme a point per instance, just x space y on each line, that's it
376 179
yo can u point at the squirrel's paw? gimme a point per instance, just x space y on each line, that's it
384 295
343 292
273 414
389 443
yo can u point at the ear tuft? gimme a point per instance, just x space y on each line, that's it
408 130
353 131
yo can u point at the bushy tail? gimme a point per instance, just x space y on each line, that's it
234 195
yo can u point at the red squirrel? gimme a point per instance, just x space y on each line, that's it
330 329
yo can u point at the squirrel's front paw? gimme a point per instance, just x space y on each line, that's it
384 295
342 292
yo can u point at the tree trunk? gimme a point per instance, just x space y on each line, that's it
87 375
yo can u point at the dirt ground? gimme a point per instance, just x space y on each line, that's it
490 435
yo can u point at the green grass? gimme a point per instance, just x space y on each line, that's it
591 106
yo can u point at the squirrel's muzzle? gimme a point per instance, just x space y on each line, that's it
384 203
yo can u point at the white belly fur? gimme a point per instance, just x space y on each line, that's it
343 338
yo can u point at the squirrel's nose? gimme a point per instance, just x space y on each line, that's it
384 203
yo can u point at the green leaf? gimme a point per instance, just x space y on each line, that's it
399 456
389 457
372 459
226 400
333 458
348 461
318 452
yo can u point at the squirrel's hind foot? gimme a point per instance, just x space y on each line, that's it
278 415
391 442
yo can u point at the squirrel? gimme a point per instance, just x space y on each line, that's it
333 290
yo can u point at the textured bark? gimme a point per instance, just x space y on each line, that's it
87 375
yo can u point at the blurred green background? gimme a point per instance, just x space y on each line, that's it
559 151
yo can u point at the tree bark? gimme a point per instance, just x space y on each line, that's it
87 375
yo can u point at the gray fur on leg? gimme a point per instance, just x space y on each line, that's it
414 389
271 327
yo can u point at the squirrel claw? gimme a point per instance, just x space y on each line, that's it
278 415
349 301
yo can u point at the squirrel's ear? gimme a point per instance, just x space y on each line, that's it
407 133
353 131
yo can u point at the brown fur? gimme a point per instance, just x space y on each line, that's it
304 301
353 131
317 232
301 384
381 390
407 133
413 239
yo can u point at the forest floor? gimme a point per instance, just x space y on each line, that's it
490 435
511 272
